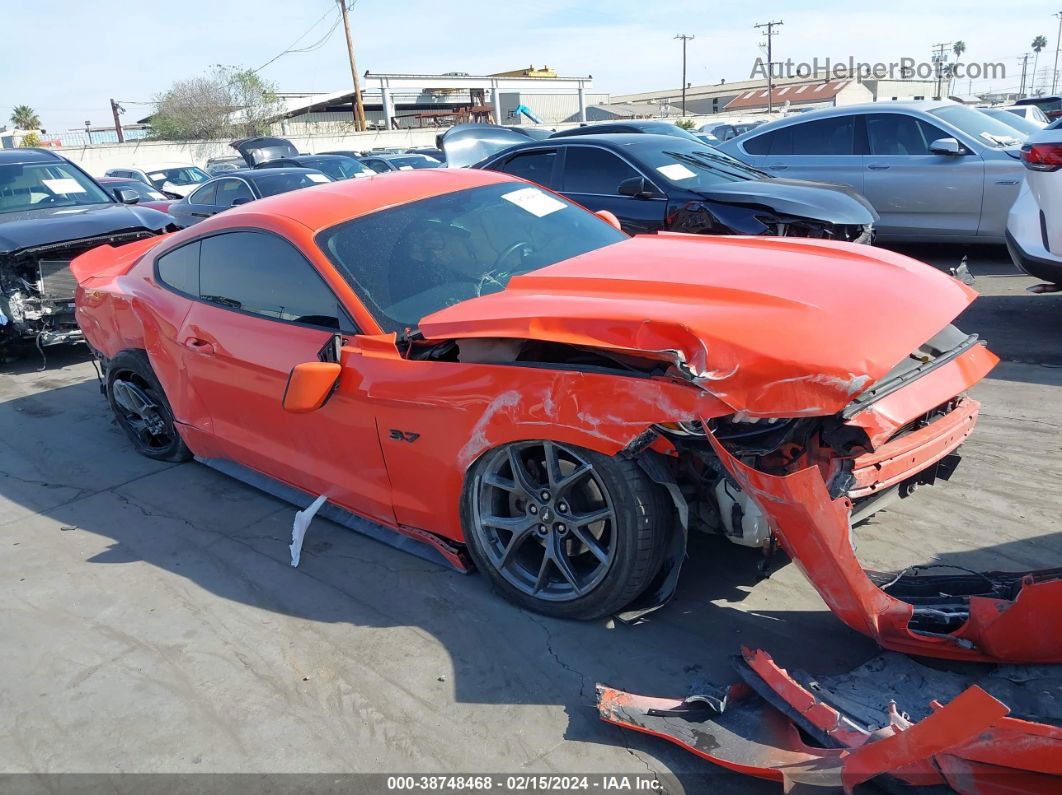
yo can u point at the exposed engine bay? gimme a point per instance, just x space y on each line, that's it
37 291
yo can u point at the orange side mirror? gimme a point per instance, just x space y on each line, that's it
310 385
605 215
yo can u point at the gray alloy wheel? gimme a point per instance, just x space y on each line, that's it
563 530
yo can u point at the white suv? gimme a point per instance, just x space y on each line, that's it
1034 226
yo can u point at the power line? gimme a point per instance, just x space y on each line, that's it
290 47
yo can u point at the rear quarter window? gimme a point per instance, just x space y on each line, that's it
179 269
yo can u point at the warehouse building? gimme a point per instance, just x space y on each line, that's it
395 100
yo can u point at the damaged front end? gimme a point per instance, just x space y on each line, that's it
37 290
892 719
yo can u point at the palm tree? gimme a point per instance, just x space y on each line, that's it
1037 44
958 48
25 118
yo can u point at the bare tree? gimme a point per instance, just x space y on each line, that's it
226 103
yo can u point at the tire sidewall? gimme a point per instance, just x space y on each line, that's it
137 362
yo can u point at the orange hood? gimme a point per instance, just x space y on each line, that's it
771 326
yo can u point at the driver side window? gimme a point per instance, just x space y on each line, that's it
588 169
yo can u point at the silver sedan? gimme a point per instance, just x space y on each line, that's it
933 170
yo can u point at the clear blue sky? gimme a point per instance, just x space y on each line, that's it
65 58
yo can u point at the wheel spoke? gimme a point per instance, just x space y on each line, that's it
503 483
584 519
563 564
520 474
588 540
540 580
572 478
515 542
552 462
514 524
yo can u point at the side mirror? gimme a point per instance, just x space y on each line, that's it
635 187
241 200
610 218
310 385
126 195
946 146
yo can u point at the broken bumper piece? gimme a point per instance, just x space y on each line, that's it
891 717
958 614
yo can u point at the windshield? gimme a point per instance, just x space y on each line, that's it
415 161
270 184
339 168
696 166
408 261
38 186
182 175
1019 123
982 127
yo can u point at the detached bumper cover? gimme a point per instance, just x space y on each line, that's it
972 742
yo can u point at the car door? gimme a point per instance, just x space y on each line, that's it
196 206
591 175
917 193
535 165
263 308
822 150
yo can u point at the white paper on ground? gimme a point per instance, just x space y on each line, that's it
534 201
299 527
64 185
676 171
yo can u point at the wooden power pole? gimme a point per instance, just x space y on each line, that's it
684 38
359 108
770 61
117 122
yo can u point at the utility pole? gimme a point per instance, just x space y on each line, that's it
1024 67
115 110
684 38
359 108
770 61
939 57
1058 43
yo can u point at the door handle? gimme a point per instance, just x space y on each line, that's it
778 168
878 166
200 345
200 215
1008 181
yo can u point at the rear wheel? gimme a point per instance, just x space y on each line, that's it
563 530
141 408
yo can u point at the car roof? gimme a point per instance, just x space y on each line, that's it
608 140
1034 100
306 155
32 155
331 203
843 110
163 164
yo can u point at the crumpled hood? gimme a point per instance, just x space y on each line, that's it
820 201
43 227
771 326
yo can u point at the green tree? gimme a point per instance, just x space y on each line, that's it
227 102
30 139
1037 44
25 118
685 124
958 48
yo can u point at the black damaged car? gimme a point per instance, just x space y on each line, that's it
51 211
670 183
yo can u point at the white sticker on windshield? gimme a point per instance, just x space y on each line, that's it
405 168
676 171
534 201
361 174
65 185
317 177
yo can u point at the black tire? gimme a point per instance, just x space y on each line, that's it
133 368
632 537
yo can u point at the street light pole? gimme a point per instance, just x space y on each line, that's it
770 62
1058 43
684 38
115 108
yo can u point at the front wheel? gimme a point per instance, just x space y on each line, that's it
563 530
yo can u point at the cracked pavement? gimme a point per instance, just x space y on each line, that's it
152 621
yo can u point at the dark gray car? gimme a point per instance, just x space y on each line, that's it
240 187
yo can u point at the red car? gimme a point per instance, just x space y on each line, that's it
467 360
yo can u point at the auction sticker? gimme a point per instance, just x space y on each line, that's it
534 201
317 177
676 171
65 185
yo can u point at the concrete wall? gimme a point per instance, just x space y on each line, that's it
97 159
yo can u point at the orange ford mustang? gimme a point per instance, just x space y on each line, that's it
470 365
